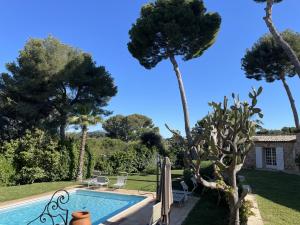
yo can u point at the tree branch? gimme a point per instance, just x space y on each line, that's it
278 38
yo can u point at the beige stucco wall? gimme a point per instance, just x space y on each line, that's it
289 150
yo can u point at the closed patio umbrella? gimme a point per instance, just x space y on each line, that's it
166 195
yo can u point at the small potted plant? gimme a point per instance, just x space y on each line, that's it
81 218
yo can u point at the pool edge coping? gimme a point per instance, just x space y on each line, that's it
131 208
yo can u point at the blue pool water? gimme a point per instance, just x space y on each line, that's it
101 206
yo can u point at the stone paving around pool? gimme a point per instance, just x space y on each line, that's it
140 214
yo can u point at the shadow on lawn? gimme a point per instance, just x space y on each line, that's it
277 187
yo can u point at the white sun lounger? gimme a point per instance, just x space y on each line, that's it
99 181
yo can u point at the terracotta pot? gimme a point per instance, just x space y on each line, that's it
81 218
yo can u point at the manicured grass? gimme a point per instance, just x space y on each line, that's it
277 194
138 182
135 182
207 212
22 191
144 182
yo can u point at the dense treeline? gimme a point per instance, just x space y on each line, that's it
51 86
39 157
48 87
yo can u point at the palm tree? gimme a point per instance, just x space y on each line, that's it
83 119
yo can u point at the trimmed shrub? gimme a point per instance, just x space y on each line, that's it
7 171
246 212
39 157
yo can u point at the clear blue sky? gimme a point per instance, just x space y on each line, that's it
101 28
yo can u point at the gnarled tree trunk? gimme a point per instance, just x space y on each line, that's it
292 101
234 218
183 100
62 131
81 155
278 38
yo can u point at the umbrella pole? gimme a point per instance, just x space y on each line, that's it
157 178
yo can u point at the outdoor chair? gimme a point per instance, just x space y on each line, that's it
99 181
156 214
195 183
121 182
180 196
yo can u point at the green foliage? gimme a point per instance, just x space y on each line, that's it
284 130
154 140
175 151
113 156
143 156
105 146
169 28
103 164
38 157
128 128
267 60
246 212
151 168
89 163
7 171
122 161
48 81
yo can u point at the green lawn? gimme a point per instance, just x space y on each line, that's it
207 212
22 191
278 196
144 183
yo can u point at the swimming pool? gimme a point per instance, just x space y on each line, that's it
101 206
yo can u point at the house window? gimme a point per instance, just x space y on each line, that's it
270 156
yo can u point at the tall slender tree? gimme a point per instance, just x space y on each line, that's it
167 29
294 58
266 60
83 117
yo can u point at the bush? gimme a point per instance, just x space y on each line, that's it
104 165
143 156
245 211
39 157
122 161
151 168
7 171
112 156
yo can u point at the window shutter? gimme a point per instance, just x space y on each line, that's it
258 155
280 158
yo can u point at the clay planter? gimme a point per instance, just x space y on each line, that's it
81 218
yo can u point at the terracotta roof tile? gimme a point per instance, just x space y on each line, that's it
274 138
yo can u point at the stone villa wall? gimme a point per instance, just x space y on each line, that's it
297 144
289 152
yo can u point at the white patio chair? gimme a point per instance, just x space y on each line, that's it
121 182
181 196
156 214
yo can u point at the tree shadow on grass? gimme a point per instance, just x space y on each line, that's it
278 187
